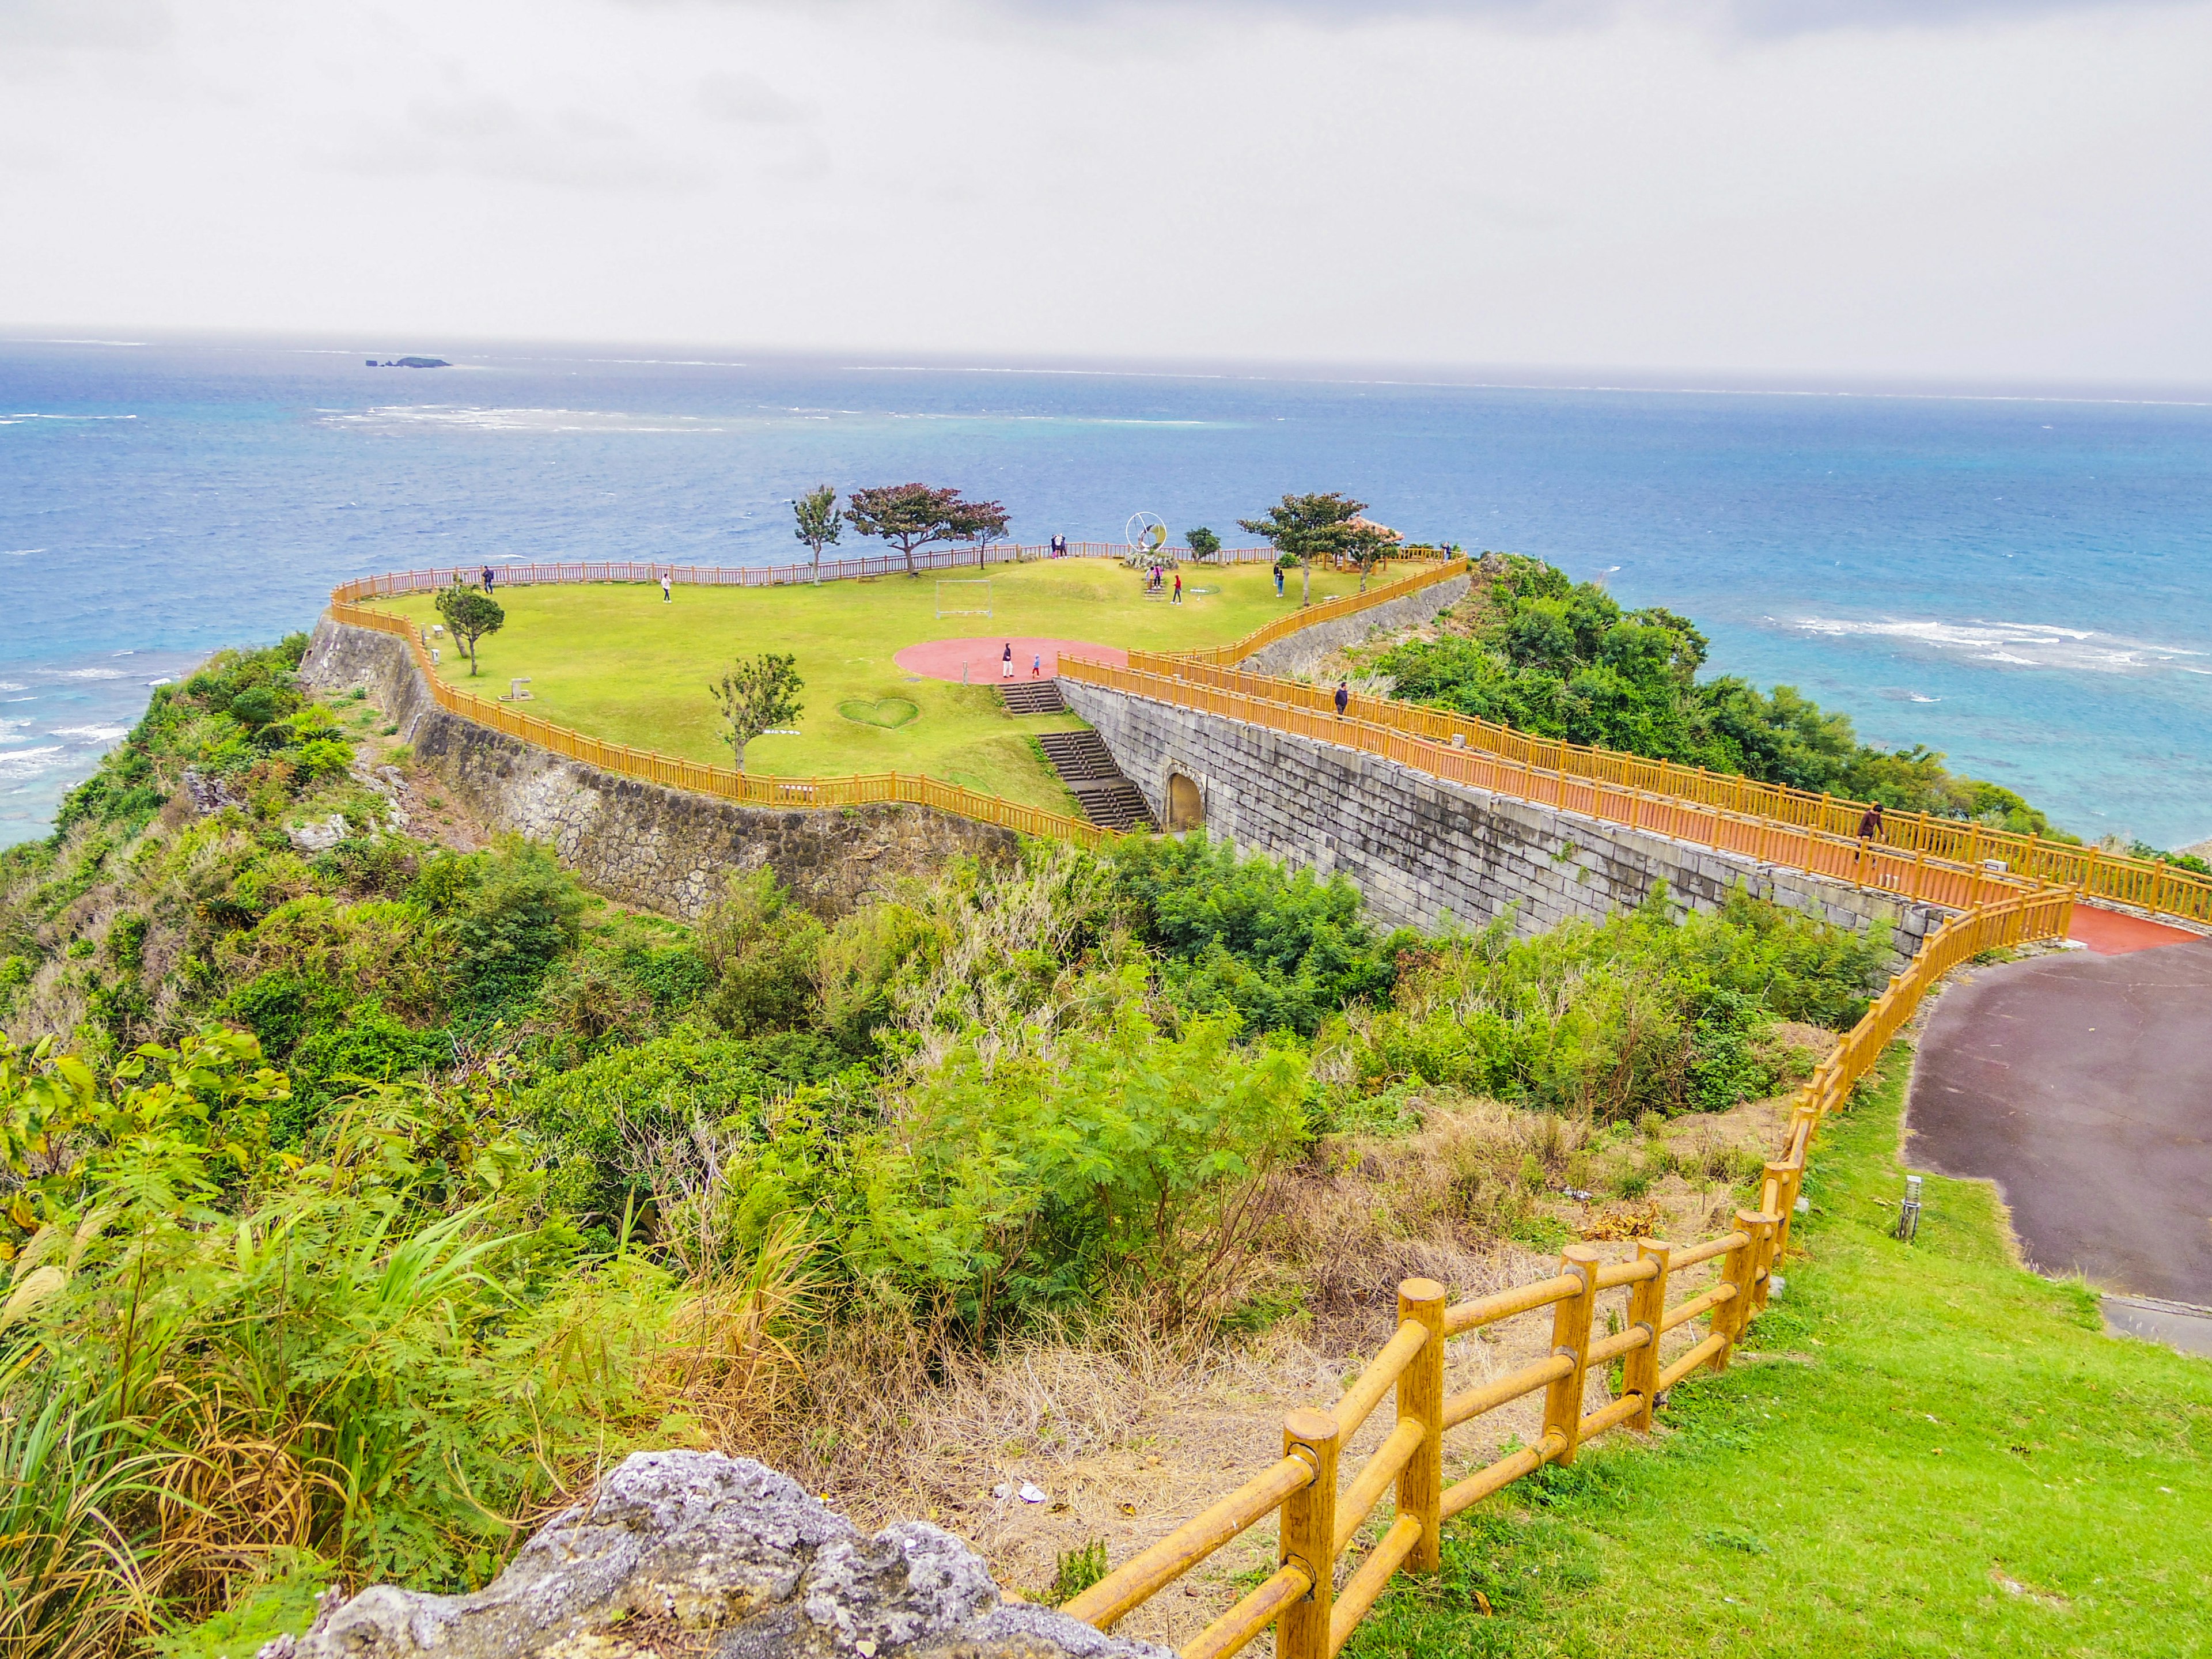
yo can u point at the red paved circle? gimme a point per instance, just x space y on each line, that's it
980 659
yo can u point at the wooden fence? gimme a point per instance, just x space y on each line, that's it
1307 616
1911 874
1319 1513
2145 884
971 556
753 789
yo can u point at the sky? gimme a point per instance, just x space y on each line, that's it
2011 192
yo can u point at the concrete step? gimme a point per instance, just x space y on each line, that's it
1033 697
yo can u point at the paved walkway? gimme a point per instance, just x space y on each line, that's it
2081 1084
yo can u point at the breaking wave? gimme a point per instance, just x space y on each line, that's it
2015 645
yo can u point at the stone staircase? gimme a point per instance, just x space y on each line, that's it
1087 768
1032 697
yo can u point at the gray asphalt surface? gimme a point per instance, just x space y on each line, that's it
2082 1085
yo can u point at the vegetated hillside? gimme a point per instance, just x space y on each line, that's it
360 1198
1535 650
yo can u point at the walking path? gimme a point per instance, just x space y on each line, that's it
2081 1084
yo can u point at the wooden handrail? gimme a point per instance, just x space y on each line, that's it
750 789
2146 884
1112 1596
1313 1626
1365 1394
1942 883
1474 1402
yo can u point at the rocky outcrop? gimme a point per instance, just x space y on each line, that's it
663 849
694 1554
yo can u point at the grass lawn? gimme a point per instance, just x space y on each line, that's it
615 661
1928 1451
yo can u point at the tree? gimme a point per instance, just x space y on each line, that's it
912 515
756 694
1367 545
817 511
1302 528
469 615
1203 544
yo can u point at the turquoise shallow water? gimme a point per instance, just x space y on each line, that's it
2025 585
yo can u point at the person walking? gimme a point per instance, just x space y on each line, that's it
1177 599
1278 582
1006 662
1343 698
487 578
667 593
1036 665
1870 827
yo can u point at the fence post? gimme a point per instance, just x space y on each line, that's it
1783 1176
1570 1329
1421 1398
1740 1270
1647 1305
1309 1536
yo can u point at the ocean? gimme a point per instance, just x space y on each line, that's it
2022 583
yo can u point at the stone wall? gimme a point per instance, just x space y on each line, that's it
1299 652
1423 852
663 849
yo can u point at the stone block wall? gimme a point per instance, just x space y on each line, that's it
1423 852
663 849
1298 653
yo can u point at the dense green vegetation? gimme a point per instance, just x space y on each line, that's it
358 1201
1562 659
1927 1449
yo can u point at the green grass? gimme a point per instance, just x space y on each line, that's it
615 661
1914 1426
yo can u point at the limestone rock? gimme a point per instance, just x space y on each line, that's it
694 1554
318 835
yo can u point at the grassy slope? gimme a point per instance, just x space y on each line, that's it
1920 1423
616 662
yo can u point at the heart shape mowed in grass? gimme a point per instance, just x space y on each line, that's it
888 712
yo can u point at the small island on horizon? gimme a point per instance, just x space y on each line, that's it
411 363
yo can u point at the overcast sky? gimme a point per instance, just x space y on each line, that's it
2015 191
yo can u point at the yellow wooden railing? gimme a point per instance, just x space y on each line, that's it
1319 1514
755 788
1952 884
752 788
2146 884
1306 616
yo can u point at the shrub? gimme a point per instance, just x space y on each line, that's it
1280 949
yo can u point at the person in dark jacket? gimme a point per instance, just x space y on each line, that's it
1870 827
1343 698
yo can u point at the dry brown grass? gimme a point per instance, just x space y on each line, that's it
1128 1429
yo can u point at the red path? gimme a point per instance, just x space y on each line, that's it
943 659
2110 933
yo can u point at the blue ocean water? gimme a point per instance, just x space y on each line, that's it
2023 584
